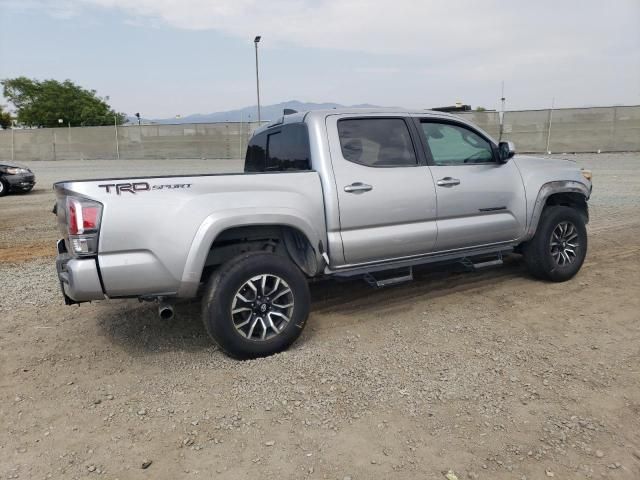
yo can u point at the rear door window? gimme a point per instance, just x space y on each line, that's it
376 142
255 159
283 148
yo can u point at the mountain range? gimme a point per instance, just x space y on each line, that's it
246 114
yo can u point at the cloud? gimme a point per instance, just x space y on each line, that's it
60 9
378 70
400 27
578 51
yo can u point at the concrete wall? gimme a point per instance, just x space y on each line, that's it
608 129
201 140
487 121
605 129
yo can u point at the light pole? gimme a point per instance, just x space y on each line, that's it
240 149
502 99
553 100
255 42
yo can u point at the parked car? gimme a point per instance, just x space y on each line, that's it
15 178
336 193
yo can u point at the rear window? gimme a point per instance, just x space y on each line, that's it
376 142
279 149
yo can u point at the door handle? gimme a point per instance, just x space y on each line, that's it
358 187
448 182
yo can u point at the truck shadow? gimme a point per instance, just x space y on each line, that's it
136 327
355 296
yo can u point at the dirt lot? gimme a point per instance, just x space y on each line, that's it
491 375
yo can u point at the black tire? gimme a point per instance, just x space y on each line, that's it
538 253
4 188
224 286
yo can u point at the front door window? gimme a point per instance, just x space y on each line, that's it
455 145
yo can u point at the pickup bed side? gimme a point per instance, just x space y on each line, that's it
155 242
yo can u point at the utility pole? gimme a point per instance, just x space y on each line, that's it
240 151
502 99
13 141
140 133
255 42
553 101
115 126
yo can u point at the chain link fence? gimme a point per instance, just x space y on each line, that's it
198 140
606 129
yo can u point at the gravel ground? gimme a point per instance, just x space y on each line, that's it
486 375
26 220
29 283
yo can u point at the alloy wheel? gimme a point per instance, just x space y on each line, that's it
564 243
262 307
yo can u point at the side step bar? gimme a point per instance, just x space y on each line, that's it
402 277
398 276
468 263
446 257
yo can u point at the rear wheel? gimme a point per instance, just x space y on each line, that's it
558 249
256 305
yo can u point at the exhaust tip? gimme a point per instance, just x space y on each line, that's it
165 312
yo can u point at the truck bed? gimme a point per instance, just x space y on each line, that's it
154 229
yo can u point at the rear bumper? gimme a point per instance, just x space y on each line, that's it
79 279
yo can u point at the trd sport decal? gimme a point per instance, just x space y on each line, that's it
140 187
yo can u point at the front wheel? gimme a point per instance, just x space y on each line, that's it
4 188
558 248
256 305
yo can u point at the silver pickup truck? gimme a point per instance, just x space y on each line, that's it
336 193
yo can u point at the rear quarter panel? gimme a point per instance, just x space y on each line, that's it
148 237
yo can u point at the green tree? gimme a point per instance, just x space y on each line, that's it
5 118
42 103
481 109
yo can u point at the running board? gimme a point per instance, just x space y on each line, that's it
452 256
490 263
468 263
406 276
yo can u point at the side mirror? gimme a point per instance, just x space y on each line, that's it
506 150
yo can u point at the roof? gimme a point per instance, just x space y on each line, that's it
302 116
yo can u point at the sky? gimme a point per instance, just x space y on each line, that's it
164 58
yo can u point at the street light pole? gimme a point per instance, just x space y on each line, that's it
553 101
502 99
255 42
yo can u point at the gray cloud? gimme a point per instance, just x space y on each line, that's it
581 52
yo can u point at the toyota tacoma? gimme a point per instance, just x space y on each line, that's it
338 193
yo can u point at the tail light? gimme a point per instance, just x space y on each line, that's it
83 225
